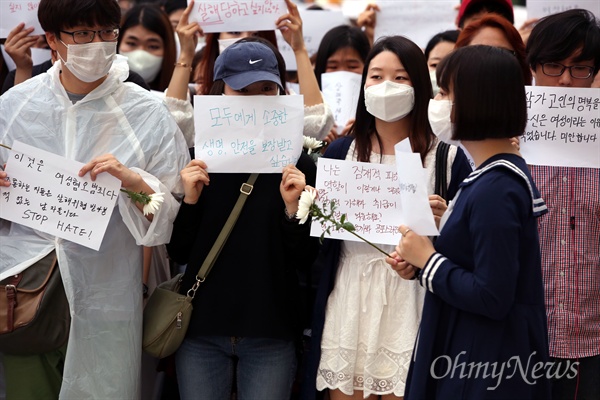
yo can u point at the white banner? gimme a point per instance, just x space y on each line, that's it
237 15
543 8
563 127
13 12
341 90
248 133
47 194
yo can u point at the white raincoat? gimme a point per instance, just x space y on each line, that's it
104 287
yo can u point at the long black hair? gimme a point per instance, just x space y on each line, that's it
412 58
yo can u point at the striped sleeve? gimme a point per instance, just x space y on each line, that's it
431 267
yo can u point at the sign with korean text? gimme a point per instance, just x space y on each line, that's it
237 15
418 20
543 8
412 180
367 193
248 133
47 194
563 127
341 90
13 12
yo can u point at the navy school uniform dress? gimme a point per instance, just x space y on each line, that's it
483 332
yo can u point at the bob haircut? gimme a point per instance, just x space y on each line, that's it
218 86
450 36
489 93
510 33
557 36
211 52
151 17
413 60
338 38
57 15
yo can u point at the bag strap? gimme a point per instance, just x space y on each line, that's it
214 252
441 166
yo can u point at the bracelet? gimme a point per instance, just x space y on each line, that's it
288 216
184 65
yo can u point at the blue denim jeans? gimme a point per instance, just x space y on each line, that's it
265 368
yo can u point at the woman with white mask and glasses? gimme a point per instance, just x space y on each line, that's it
365 329
148 41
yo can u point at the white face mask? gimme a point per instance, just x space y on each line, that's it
225 43
439 113
389 101
146 64
434 85
91 61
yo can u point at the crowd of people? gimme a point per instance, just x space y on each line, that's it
513 277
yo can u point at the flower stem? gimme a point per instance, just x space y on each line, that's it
6 147
369 243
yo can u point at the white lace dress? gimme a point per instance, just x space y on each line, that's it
372 317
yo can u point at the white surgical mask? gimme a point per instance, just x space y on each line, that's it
145 64
389 101
434 85
225 43
439 113
90 61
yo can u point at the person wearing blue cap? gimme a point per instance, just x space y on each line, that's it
245 321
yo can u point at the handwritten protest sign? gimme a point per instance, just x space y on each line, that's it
542 8
13 12
237 15
341 90
563 127
315 24
47 194
248 133
414 198
367 193
418 20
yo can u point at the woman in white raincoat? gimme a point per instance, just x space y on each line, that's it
83 111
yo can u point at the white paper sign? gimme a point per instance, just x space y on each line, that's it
341 90
48 195
367 193
563 127
418 20
412 181
38 56
315 24
13 12
237 15
542 8
248 133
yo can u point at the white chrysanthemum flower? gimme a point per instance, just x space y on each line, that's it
307 199
156 200
311 144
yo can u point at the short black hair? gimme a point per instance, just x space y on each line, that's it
489 92
57 15
493 7
557 36
450 36
338 38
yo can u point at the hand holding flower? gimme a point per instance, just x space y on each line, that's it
404 269
292 184
413 248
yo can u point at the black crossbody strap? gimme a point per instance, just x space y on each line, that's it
214 252
441 166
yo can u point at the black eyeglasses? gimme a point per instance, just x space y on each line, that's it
83 37
576 71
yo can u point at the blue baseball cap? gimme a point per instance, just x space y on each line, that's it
244 63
